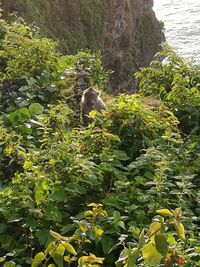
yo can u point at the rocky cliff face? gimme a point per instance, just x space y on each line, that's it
127 31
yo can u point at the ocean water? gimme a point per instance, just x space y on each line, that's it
182 25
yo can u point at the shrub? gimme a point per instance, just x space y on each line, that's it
176 82
138 126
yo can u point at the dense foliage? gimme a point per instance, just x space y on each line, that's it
122 192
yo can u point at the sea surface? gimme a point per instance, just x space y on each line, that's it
182 25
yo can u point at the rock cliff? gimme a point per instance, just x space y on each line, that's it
126 31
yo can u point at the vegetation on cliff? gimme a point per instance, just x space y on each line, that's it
122 192
127 32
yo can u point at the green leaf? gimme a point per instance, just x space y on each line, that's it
58 255
67 228
36 109
23 114
161 244
151 255
132 258
27 165
3 228
107 244
59 195
38 259
13 118
39 195
43 236
9 264
24 129
6 241
141 240
53 213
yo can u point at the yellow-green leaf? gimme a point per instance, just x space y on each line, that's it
180 231
151 255
178 213
56 235
155 228
2 259
38 259
50 248
98 231
88 213
58 255
69 248
27 165
165 212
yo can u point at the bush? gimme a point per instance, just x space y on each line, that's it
176 82
131 158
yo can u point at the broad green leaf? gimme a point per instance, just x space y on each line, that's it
151 255
23 114
13 118
165 212
67 228
59 195
3 227
43 236
9 264
55 235
6 241
107 244
69 248
25 129
53 213
36 109
38 259
161 244
58 255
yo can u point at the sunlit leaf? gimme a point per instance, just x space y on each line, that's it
180 230
165 212
58 255
69 248
151 255
55 235
38 259
155 228
36 109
